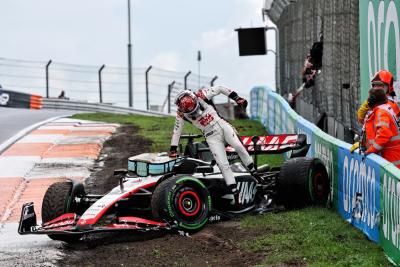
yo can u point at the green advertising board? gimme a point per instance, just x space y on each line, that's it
379 40
326 150
390 220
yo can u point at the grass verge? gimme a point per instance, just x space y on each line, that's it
309 237
159 130
312 236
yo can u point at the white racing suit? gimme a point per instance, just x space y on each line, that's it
216 130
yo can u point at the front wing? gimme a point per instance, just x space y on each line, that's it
67 224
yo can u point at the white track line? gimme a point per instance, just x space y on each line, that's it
15 198
6 144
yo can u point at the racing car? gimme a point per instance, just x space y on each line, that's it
157 192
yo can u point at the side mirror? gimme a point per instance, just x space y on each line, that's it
118 172
204 169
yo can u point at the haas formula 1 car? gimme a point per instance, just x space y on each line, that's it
184 193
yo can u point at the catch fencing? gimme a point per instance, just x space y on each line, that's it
153 88
364 190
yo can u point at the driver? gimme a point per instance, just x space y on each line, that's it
198 109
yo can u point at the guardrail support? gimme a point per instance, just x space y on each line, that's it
186 76
47 78
213 80
170 86
100 89
147 87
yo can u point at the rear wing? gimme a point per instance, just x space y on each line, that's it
272 144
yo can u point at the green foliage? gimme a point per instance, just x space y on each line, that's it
313 236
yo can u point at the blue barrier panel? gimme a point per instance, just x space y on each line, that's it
271 115
359 191
265 113
305 127
254 103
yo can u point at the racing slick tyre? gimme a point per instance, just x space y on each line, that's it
184 201
303 181
57 201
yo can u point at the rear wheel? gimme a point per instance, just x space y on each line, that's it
57 201
184 200
303 181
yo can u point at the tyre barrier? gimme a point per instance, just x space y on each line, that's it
19 100
364 190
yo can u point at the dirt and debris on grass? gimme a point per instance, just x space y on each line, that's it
217 244
116 150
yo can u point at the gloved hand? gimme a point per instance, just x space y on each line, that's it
362 111
354 147
173 153
241 102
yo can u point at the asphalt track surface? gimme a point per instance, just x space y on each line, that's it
13 120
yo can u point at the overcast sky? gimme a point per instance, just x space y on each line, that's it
165 33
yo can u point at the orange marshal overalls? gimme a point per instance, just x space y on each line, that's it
382 129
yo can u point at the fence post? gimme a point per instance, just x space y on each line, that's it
186 76
130 85
100 89
170 86
213 80
147 87
47 78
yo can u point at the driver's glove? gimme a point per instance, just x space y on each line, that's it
173 153
241 102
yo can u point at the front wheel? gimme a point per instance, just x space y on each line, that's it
183 200
58 200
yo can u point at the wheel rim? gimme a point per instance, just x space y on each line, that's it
319 185
189 203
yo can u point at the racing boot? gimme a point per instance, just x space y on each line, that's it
255 174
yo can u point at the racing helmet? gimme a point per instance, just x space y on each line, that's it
187 102
383 77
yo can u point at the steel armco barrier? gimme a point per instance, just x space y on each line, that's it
49 103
